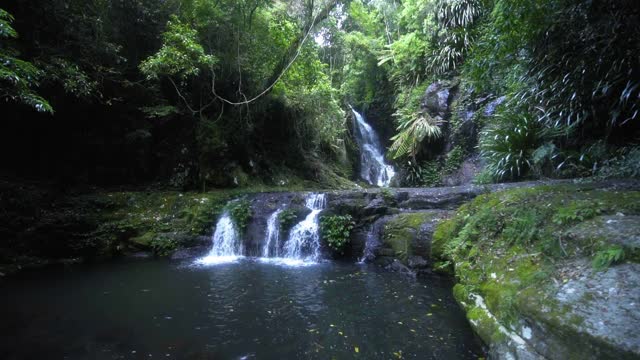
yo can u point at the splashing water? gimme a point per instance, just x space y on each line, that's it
374 234
272 236
304 240
227 246
373 168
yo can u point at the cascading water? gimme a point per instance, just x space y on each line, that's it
374 234
227 245
272 240
304 240
373 168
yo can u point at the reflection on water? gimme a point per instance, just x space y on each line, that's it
247 309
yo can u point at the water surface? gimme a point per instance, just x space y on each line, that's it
249 309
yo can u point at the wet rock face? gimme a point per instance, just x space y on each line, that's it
608 302
592 316
619 229
491 107
437 99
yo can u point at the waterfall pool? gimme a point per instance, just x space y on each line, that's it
248 309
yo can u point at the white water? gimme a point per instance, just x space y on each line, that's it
227 245
373 168
303 244
373 242
272 236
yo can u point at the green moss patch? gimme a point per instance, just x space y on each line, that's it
401 230
508 246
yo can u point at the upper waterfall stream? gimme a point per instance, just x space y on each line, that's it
373 167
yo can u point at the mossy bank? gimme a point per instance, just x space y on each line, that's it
548 272
41 227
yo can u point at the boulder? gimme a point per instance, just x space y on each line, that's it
437 99
409 234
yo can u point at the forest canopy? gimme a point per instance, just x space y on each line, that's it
197 93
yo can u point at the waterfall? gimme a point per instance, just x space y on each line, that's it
374 234
373 168
304 240
272 236
227 245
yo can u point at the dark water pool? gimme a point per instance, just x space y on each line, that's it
244 310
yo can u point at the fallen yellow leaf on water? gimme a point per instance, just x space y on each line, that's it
332 325
412 330
356 349
340 332
400 322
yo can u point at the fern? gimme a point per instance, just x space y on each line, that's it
607 257
412 131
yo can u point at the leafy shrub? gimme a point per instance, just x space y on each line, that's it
430 172
336 231
287 218
240 213
509 144
426 173
162 246
607 257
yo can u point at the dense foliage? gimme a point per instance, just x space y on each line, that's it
225 93
336 231
18 78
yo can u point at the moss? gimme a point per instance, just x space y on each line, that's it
504 246
445 231
461 293
401 230
485 326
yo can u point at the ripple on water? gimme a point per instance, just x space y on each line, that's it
287 262
261 308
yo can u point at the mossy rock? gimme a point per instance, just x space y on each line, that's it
401 233
518 249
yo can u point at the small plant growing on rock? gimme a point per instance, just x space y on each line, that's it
336 231
387 195
240 212
162 246
577 211
286 219
607 257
